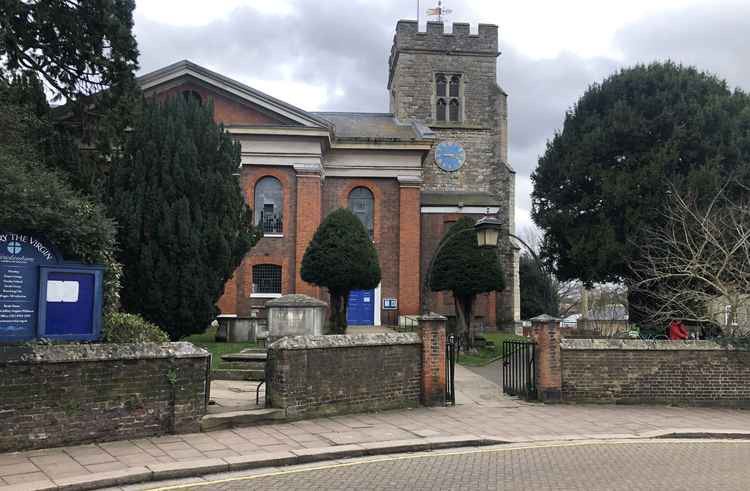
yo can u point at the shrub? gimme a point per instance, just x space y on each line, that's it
120 327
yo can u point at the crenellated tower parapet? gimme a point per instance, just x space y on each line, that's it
460 41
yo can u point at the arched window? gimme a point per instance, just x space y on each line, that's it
361 204
440 85
191 95
266 279
454 113
269 197
448 97
455 85
440 110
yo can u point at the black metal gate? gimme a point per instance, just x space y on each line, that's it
519 376
451 353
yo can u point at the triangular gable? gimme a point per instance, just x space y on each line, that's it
273 108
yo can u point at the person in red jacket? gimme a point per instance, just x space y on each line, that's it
677 331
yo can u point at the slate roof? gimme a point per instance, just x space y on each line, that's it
373 126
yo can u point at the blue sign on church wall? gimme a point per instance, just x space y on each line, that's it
42 296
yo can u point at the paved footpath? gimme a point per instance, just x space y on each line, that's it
481 412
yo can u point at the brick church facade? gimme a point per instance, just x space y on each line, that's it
440 153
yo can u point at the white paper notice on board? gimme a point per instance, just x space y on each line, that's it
62 291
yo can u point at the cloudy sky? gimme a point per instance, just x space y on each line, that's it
333 54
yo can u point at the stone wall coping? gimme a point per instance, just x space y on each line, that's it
72 353
344 341
296 300
650 345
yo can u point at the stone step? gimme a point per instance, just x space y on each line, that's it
254 350
242 365
262 356
233 419
238 374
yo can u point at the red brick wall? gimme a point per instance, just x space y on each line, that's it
386 196
268 250
409 243
309 191
227 110
434 227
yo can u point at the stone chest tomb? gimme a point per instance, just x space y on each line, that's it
295 315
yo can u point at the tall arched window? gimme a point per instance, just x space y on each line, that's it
269 198
440 85
453 110
455 85
361 204
440 110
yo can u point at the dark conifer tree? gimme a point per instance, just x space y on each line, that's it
184 224
466 270
341 258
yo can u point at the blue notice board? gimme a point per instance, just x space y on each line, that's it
70 302
20 258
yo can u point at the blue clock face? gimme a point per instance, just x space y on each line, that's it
449 156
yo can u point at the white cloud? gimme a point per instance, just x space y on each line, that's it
201 12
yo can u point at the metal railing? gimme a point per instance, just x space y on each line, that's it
452 345
271 223
519 376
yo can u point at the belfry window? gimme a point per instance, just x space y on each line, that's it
448 97
269 197
440 85
453 112
361 204
266 279
455 85
440 110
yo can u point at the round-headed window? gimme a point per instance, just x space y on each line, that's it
269 197
361 203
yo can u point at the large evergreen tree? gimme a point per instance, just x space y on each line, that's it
539 294
341 258
35 200
77 47
466 270
605 177
184 224
84 54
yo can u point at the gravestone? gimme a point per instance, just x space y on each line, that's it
43 296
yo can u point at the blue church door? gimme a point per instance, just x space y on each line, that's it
361 308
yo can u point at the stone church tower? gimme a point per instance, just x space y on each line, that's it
447 81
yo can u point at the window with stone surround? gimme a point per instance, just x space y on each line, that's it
269 197
448 97
266 280
361 203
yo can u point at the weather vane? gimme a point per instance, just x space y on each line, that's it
439 11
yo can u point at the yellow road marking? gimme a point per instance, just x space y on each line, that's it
508 448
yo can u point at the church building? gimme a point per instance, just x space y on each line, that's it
439 153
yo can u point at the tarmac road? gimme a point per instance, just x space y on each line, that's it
593 465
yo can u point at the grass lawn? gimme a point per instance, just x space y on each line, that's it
487 355
206 341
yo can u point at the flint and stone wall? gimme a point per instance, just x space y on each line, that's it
71 394
312 376
634 371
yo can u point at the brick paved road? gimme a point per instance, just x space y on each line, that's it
657 465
